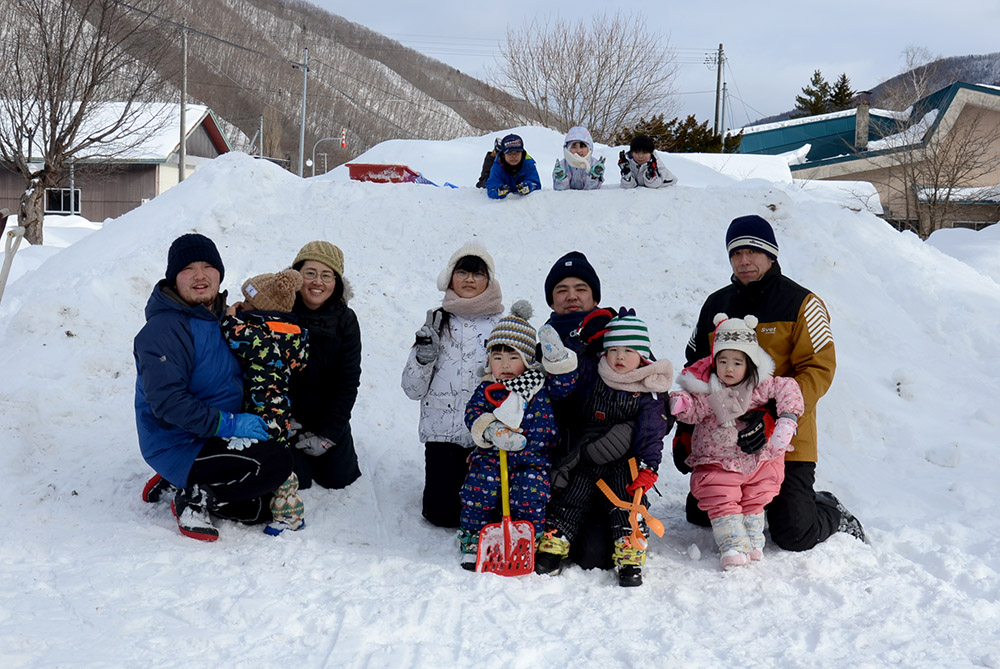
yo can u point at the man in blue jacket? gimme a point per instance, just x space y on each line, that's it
188 398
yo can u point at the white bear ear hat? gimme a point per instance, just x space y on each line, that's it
740 334
469 249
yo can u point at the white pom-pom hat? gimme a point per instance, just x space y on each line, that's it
469 249
740 334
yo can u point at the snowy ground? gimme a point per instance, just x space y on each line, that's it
93 577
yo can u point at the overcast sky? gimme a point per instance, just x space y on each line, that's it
770 53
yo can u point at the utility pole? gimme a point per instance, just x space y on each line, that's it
182 154
718 87
260 139
722 129
302 123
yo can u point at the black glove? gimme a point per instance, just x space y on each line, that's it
623 164
592 329
651 168
759 426
682 447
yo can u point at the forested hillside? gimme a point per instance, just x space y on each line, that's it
244 61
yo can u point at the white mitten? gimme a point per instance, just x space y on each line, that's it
503 437
781 438
553 349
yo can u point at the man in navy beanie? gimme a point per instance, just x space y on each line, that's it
794 329
189 398
572 291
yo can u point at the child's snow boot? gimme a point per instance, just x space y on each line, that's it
848 523
553 549
286 508
754 524
628 560
157 488
731 537
468 545
190 507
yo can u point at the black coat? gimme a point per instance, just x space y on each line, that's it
324 392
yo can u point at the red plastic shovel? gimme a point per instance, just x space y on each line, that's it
506 548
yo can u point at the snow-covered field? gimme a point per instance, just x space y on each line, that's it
92 576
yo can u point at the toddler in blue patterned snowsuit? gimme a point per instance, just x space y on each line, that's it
511 410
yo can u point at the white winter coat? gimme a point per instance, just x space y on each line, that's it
445 386
637 174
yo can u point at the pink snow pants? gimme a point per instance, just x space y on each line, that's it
721 492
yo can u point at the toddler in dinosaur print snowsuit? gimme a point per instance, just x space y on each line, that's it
266 339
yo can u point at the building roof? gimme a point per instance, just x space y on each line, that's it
830 137
159 137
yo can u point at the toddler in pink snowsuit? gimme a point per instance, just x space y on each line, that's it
734 479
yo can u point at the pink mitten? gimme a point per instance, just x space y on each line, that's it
781 438
679 402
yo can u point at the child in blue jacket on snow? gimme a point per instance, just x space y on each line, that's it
579 169
511 410
513 170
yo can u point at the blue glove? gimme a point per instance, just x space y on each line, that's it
242 425
597 169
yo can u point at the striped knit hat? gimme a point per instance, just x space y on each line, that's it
751 232
628 331
515 331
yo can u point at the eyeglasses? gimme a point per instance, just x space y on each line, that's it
463 275
312 275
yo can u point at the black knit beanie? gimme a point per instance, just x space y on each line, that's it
190 248
573 264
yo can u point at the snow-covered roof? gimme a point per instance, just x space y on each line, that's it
155 125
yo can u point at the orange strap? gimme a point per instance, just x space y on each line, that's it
283 328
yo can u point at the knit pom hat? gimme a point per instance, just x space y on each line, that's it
515 331
469 249
751 232
628 331
740 334
272 292
323 252
642 144
573 264
190 248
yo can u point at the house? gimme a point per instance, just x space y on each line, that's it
936 164
106 188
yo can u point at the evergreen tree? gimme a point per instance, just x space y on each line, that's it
679 136
815 98
842 96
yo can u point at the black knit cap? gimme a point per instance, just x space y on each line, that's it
190 248
641 143
751 232
573 264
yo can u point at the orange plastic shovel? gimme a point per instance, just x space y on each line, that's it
506 548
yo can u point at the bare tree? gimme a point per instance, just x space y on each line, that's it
919 78
75 79
605 75
937 165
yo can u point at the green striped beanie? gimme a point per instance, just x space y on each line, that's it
629 332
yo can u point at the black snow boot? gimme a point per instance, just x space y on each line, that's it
190 507
157 489
848 523
630 576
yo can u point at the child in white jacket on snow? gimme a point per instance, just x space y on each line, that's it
443 370
732 480
579 169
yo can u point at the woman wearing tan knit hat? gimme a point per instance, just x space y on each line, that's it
323 393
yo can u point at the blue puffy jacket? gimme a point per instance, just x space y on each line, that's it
185 375
508 177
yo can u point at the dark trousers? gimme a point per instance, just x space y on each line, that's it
569 506
240 483
445 468
796 520
337 468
